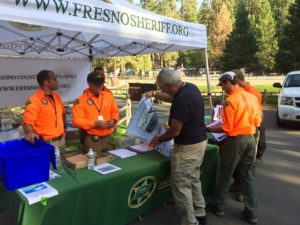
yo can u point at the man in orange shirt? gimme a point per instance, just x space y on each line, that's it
44 112
96 112
241 116
261 145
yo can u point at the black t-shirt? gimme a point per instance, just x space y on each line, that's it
188 107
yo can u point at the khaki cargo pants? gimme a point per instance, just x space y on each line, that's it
185 181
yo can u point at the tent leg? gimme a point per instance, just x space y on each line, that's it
208 83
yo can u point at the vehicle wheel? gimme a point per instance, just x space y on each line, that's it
279 121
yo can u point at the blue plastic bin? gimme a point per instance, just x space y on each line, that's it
23 163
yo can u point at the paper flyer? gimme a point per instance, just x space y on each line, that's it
106 168
36 193
218 136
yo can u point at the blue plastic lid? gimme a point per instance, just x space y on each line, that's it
21 147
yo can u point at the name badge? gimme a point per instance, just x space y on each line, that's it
100 117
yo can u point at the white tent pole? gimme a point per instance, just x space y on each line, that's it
208 82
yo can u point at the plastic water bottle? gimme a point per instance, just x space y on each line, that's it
3 133
91 159
57 159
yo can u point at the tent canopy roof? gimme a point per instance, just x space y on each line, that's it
90 29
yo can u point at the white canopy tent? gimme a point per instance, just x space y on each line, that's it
87 29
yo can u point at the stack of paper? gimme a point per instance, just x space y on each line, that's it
141 148
37 192
122 153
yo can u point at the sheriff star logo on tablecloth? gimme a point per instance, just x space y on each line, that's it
141 191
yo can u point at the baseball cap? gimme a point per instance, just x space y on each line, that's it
229 75
239 73
95 78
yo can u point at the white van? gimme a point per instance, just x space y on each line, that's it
289 99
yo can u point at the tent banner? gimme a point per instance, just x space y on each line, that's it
18 78
106 17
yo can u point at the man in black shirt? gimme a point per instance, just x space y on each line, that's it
187 127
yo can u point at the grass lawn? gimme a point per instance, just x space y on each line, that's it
271 100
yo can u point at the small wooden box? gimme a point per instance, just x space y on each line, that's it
77 161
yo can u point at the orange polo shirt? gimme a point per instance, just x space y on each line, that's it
88 107
45 115
249 88
241 113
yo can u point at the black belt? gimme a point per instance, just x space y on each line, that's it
56 138
97 138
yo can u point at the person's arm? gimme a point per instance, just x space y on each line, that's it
159 95
29 133
217 129
29 119
173 131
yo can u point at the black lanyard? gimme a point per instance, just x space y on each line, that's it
99 110
52 101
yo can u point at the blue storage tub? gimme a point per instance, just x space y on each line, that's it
23 163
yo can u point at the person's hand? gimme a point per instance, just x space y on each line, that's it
30 137
155 141
112 123
102 124
148 94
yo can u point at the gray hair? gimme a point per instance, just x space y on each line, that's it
168 76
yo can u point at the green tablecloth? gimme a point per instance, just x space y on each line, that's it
89 198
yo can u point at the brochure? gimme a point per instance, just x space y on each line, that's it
218 111
165 148
106 168
37 192
141 148
218 136
122 153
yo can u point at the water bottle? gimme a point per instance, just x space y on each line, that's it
91 159
3 132
57 159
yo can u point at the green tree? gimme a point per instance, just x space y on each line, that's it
289 55
189 10
168 8
240 47
151 5
222 28
264 28
280 12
